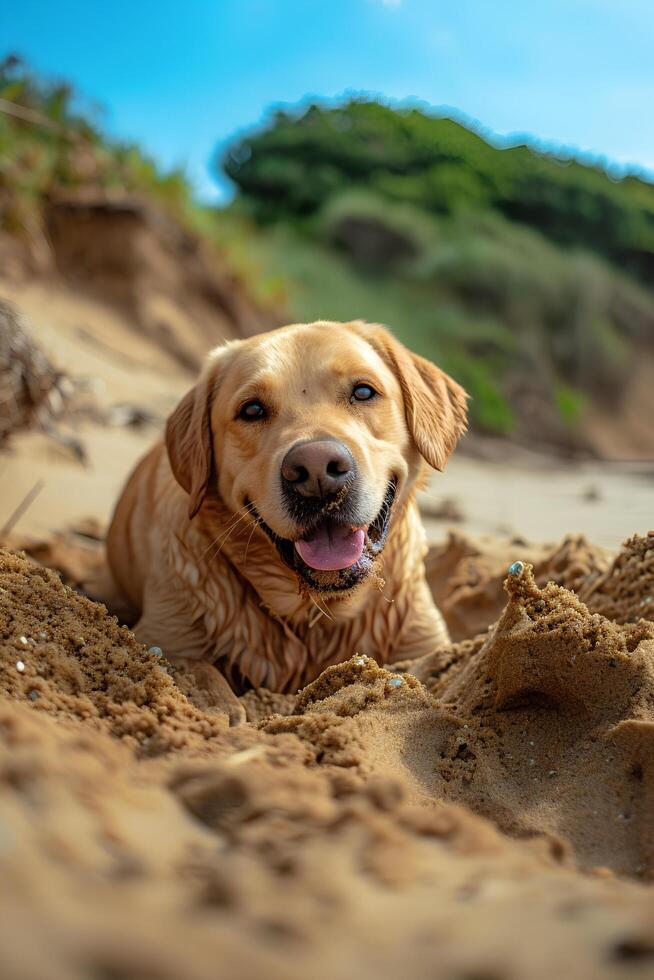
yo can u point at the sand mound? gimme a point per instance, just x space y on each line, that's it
625 592
466 576
557 729
471 825
68 657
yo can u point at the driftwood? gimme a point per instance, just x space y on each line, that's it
31 388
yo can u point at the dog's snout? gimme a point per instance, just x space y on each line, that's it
315 469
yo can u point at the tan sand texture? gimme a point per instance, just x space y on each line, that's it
487 815
625 592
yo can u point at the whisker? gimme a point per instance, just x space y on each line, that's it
214 541
321 612
227 536
247 546
236 519
226 533
326 613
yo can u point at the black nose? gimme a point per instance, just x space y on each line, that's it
316 469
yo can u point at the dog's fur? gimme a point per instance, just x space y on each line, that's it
192 546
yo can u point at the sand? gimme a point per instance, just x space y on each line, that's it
489 486
466 574
120 366
503 490
481 814
485 812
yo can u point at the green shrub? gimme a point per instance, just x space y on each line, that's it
374 233
570 404
300 160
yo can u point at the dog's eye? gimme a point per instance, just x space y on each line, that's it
252 412
363 393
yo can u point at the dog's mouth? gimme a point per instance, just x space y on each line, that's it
331 547
332 555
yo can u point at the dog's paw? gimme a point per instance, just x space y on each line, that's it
207 689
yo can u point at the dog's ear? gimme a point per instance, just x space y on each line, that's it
435 405
189 440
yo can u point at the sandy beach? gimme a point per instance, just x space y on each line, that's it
483 812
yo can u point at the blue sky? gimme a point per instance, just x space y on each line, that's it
183 77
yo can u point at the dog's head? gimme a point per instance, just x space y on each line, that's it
317 432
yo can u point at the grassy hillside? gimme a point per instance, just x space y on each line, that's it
48 145
524 274
300 162
100 216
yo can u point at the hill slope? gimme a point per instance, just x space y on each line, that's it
99 216
524 274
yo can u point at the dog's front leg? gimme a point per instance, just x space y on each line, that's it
167 624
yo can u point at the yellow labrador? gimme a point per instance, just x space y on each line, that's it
275 530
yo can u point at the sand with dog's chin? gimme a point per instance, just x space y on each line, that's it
484 812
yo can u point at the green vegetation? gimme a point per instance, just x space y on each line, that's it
570 404
521 273
524 275
49 146
300 162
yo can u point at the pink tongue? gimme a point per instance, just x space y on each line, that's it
332 547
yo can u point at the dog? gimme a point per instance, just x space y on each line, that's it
274 531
